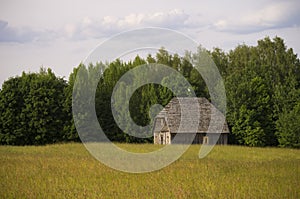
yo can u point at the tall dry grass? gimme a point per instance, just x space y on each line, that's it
69 171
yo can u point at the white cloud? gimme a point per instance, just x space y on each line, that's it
172 19
108 25
9 34
197 21
277 15
23 34
130 20
271 16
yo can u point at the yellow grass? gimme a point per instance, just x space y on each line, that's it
69 171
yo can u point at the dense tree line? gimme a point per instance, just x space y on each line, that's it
262 87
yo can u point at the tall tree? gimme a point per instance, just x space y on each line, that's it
32 109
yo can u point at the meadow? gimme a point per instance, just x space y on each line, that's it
69 171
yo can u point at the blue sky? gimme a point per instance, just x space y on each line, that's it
60 34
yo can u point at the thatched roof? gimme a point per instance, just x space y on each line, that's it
173 117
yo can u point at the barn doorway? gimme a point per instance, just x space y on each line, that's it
205 140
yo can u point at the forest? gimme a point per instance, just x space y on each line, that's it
262 85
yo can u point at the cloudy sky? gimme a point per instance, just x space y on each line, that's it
60 34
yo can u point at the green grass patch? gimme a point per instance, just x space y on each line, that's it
69 171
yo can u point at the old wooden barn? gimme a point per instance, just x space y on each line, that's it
166 124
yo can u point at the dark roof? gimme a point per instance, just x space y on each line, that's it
186 122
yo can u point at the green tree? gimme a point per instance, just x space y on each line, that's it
264 79
32 109
70 133
288 128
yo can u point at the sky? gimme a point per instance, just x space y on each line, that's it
61 34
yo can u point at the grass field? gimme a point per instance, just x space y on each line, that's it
69 171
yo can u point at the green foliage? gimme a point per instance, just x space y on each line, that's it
262 88
288 128
69 130
32 109
262 85
251 105
143 98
